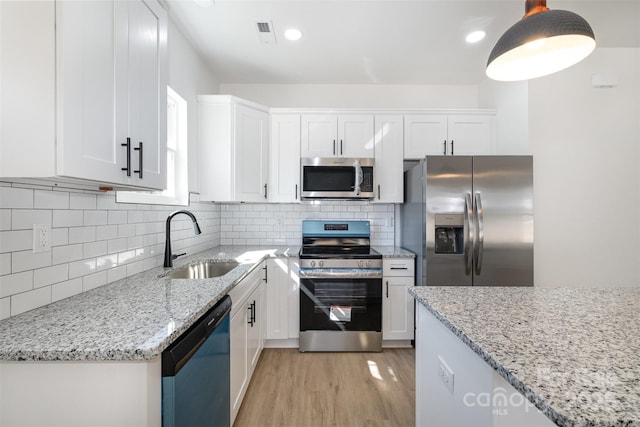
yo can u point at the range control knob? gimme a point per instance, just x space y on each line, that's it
321 263
313 263
360 263
368 263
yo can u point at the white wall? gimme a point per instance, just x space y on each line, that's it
356 96
510 100
189 76
586 147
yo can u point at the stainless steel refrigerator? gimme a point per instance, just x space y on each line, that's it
469 220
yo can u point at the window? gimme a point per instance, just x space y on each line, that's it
177 192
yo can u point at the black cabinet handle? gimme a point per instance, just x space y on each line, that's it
128 145
387 289
341 147
296 192
265 191
265 273
139 148
452 147
398 268
444 151
334 147
378 191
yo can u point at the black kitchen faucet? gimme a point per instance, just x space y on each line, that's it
168 256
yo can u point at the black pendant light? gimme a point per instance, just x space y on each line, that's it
543 42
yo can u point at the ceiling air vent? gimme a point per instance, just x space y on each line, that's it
265 32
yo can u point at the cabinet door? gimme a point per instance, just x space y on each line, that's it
91 46
255 327
239 369
284 163
147 93
319 135
355 135
277 303
470 134
397 309
424 134
389 179
251 154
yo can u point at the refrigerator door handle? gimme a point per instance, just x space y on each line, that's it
468 234
479 247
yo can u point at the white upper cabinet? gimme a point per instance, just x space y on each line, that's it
234 144
388 168
109 91
331 135
448 134
284 158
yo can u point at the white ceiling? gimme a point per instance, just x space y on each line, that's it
372 41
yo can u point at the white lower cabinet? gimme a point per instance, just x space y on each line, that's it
246 333
397 304
282 301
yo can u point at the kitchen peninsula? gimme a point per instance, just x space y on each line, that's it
511 356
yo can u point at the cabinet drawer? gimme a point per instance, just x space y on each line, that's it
398 267
243 289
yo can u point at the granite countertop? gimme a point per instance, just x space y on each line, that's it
393 252
132 319
574 353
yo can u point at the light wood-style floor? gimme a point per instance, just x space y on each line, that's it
293 389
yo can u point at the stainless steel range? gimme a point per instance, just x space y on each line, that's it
340 287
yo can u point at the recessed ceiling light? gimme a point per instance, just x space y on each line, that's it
292 34
475 36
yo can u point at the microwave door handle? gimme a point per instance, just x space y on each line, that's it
358 177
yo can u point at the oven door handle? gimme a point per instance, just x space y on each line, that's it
358 177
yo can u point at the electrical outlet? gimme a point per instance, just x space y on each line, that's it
446 374
41 238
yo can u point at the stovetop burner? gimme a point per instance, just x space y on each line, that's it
337 240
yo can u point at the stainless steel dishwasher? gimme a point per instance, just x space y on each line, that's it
195 373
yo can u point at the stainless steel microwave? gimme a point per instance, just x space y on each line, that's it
337 178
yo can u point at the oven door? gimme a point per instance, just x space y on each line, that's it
341 304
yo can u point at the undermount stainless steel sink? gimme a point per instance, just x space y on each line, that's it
204 269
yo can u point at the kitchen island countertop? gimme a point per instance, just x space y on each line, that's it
134 318
574 353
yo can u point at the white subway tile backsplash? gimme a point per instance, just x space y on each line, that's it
68 218
68 253
117 217
96 217
116 273
5 219
11 241
94 249
24 219
94 280
106 232
82 234
27 260
66 289
49 275
59 236
44 199
106 262
81 268
82 201
126 230
116 245
16 283
5 308
29 300
5 264
16 198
